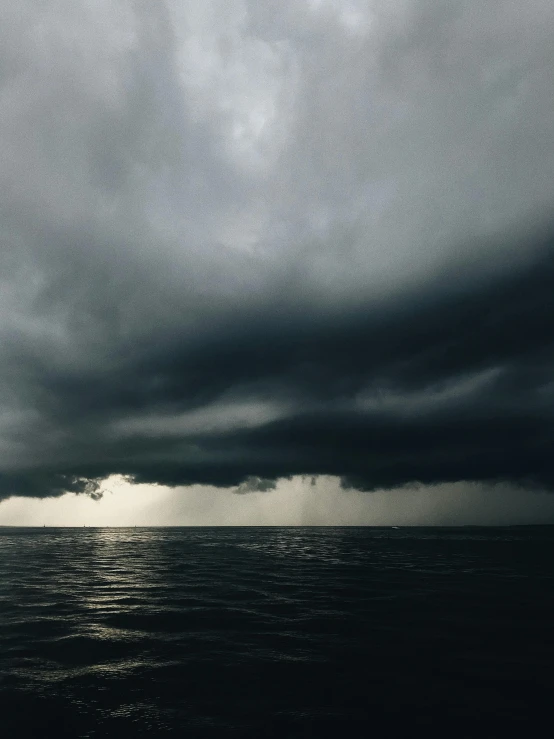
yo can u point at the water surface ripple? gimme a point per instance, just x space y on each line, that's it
275 632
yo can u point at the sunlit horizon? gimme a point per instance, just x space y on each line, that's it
294 502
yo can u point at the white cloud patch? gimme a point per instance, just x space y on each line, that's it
207 420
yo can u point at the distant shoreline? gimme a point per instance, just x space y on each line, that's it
298 526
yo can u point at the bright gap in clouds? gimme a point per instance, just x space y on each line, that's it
294 502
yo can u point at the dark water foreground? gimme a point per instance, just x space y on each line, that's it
276 632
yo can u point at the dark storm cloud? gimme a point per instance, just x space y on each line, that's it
249 241
452 382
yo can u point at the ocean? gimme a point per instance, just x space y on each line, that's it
276 632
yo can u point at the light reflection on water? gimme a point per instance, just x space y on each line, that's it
245 632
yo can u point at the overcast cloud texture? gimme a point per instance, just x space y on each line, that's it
243 241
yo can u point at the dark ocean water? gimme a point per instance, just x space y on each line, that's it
276 632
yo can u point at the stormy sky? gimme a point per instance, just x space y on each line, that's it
249 244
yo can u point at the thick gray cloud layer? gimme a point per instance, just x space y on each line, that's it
247 240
